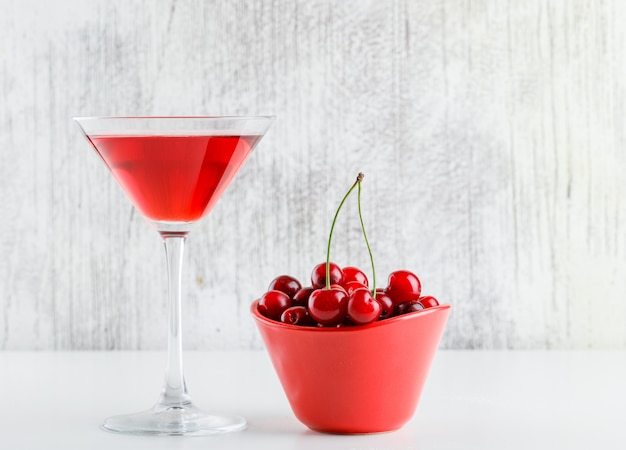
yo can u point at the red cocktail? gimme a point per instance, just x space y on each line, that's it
174 169
174 178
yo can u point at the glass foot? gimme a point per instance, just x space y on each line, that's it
175 420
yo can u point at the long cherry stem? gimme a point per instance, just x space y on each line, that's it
359 178
367 242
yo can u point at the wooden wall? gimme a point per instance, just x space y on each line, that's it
491 134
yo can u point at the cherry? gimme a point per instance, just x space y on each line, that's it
339 288
318 276
340 297
285 283
346 322
352 286
400 308
362 308
414 307
273 303
386 303
403 286
297 315
328 306
301 298
428 301
354 274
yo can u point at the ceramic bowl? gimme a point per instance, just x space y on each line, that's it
354 379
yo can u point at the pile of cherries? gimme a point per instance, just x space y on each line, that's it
340 297
348 301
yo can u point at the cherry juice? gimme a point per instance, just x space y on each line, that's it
174 178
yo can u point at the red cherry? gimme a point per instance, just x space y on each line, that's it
301 298
400 309
403 286
285 283
346 322
428 301
297 315
353 274
273 303
386 303
351 286
414 307
339 287
328 306
318 276
362 308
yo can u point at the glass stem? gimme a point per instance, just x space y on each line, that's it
174 389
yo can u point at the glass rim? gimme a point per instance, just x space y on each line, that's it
173 125
234 117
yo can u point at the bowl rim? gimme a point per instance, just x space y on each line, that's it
254 311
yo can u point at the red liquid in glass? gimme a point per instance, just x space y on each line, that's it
174 178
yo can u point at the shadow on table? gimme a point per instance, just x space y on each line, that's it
289 429
275 425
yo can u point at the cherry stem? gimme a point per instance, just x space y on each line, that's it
359 178
367 242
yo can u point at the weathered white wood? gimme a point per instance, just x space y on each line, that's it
491 134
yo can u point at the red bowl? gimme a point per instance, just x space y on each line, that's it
354 379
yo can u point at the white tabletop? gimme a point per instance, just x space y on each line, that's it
472 400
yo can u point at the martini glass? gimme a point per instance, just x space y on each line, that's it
174 170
